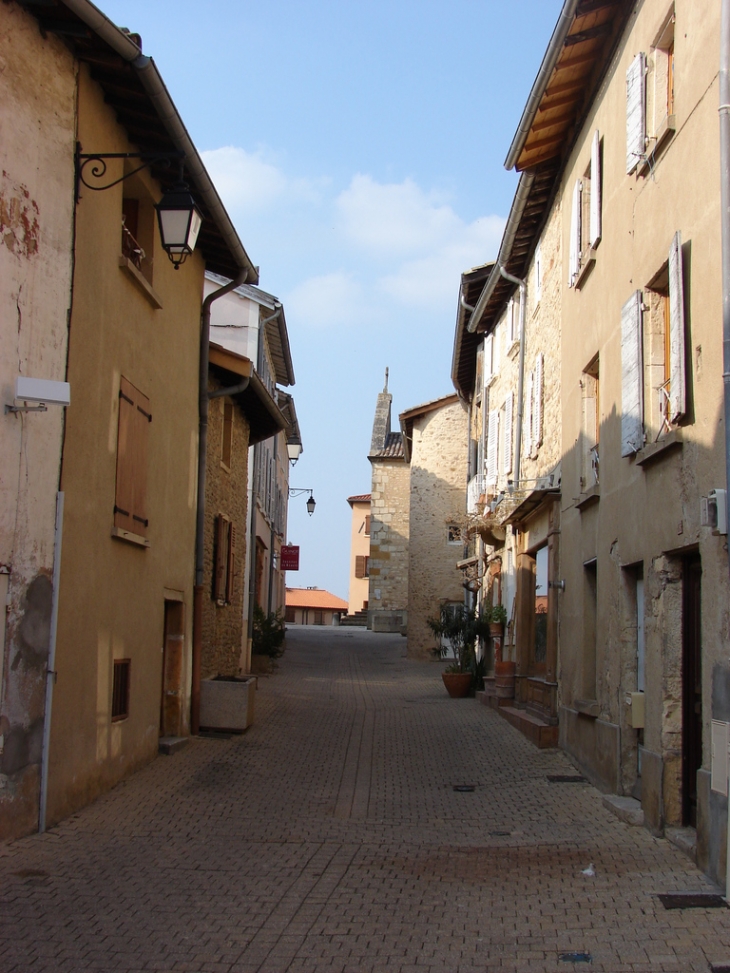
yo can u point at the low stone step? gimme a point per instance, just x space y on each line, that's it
542 734
171 745
628 809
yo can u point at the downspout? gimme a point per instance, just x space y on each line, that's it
724 111
521 377
203 401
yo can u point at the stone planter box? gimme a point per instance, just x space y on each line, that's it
227 704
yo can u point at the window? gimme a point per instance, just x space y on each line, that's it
586 216
138 226
227 443
367 525
507 409
590 428
538 273
291 613
513 322
453 534
492 446
636 113
224 560
650 104
632 384
120 689
130 518
590 629
362 566
662 94
488 359
318 617
534 408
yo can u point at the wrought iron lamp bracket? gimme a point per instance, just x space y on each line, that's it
98 163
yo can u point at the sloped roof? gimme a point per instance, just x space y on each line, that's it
314 598
264 416
360 498
393 448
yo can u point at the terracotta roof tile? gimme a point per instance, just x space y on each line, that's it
393 448
314 598
360 498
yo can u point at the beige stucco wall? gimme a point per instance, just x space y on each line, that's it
359 547
37 133
113 592
437 499
647 510
389 532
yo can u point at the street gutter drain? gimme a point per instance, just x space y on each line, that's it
576 958
464 788
692 900
500 834
566 779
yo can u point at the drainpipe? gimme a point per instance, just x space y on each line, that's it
203 399
725 231
521 379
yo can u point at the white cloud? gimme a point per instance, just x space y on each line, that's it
326 301
247 181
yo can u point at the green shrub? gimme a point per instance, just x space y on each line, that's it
269 632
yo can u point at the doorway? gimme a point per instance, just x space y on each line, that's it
691 687
172 669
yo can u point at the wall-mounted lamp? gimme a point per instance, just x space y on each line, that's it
177 212
311 502
39 390
294 451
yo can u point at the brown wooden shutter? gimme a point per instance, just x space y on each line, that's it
367 523
360 566
220 569
130 504
231 572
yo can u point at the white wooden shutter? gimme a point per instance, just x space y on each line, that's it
492 446
575 218
635 112
507 457
632 377
537 411
595 201
528 422
488 358
677 384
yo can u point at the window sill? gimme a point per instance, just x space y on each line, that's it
587 707
513 348
587 262
654 451
589 497
658 143
141 281
127 535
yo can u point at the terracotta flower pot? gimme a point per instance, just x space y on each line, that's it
496 630
504 679
458 684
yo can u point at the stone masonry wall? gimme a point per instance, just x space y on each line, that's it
389 534
438 477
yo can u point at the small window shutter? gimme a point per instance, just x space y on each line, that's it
492 446
231 567
537 410
595 200
635 112
130 502
367 523
632 374
488 357
677 385
360 566
575 220
507 457
529 420
221 558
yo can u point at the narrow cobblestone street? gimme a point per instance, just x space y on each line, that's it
330 837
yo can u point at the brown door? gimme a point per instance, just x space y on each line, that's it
172 669
691 688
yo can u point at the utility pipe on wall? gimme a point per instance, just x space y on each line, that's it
521 377
203 402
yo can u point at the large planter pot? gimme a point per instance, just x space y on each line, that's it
504 679
458 684
496 630
227 704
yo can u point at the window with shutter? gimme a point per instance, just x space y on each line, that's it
591 424
362 566
120 689
538 273
488 358
367 524
595 216
492 446
507 451
575 234
677 389
130 502
528 422
635 112
632 377
537 406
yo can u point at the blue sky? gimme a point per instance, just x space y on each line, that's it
359 150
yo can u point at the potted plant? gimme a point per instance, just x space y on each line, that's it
461 626
504 671
267 642
497 616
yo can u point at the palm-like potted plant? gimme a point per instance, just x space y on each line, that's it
504 671
461 627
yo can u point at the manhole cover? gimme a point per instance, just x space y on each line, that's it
692 900
463 788
566 779
576 958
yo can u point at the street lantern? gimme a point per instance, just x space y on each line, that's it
294 451
180 220
311 504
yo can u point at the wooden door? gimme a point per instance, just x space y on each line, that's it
691 688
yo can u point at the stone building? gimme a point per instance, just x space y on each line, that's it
434 439
389 523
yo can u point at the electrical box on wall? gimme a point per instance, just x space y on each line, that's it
635 702
720 742
713 511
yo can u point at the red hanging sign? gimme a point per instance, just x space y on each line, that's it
289 557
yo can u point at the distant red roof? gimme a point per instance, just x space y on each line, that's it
314 598
360 498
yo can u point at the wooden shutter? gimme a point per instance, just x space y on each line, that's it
492 446
595 199
677 384
635 112
488 357
537 409
130 501
231 565
507 457
575 221
360 560
528 423
367 524
632 377
220 567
